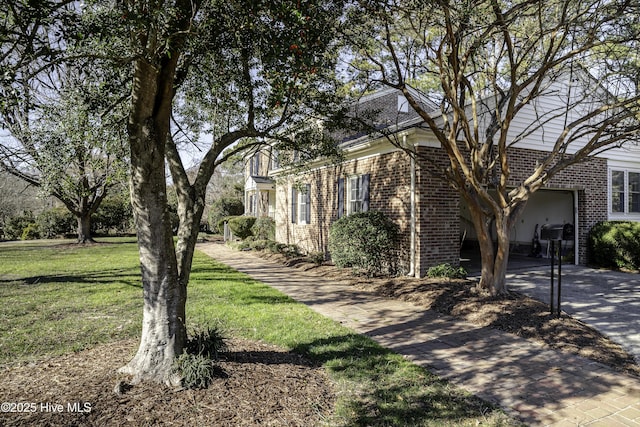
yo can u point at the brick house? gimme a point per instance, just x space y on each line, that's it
434 222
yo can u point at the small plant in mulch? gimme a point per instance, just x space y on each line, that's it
209 342
196 366
447 270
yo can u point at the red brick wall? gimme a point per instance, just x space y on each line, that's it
389 192
438 225
438 205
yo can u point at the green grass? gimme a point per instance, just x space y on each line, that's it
59 299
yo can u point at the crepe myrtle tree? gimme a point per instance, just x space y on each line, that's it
487 63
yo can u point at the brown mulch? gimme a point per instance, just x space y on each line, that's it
514 313
259 384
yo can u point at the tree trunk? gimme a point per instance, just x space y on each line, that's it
190 214
495 256
163 323
84 228
485 242
502 256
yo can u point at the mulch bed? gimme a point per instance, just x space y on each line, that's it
259 384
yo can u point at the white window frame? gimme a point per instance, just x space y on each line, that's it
303 206
626 193
357 201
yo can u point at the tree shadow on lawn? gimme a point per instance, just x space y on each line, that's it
390 390
115 276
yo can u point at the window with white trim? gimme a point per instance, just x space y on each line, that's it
301 204
634 191
357 194
624 191
254 165
353 194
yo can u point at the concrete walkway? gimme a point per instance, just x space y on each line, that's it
538 385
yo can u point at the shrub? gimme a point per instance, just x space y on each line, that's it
264 228
114 214
30 232
615 244
290 251
365 241
14 226
222 208
241 226
316 257
195 366
275 247
56 222
447 270
259 245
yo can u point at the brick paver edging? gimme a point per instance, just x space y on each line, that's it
538 385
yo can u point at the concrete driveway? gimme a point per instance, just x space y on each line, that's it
606 300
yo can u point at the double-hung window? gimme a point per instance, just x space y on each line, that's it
634 191
274 162
301 204
353 194
356 193
624 192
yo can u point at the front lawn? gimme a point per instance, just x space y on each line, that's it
59 299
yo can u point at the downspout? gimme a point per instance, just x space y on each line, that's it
412 198
576 228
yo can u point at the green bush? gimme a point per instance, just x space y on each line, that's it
447 270
196 365
365 241
30 232
259 245
113 214
56 222
15 226
615 244
241 226
222 208
264 228
316 257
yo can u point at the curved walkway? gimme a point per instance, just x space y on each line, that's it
538 385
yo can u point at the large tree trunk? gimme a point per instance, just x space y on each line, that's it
163 324
485 242
84 228
495 255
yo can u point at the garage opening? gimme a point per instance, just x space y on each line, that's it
544 207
